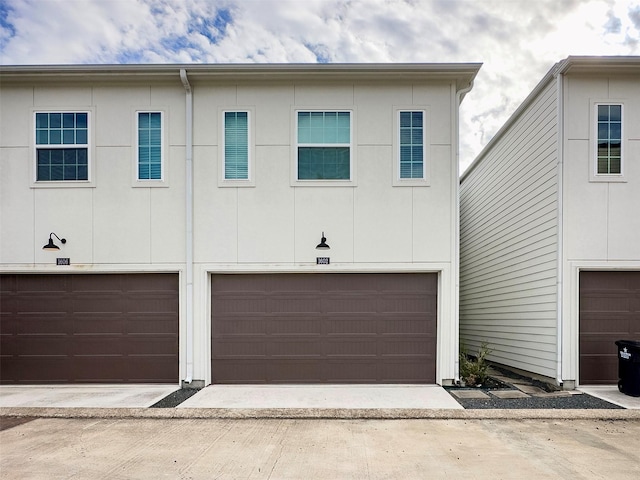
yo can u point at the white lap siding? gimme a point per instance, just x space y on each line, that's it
509 239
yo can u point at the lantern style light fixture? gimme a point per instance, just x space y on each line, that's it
53 246
323 243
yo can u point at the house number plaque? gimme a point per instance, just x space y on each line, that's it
322 260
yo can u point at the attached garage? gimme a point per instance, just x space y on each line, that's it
80 328
609 311
324 328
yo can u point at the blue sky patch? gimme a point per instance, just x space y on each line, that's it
8 30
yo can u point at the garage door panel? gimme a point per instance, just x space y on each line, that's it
240 371
278 325
151 324
95 303
336 328
286 303
352 371
41 303
350 347
404 303
89 328
349 325
608 312
41 324
407 371
231 347
51 369
341 304
239 325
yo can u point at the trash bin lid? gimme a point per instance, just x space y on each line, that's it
628 343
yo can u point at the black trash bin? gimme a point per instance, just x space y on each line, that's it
629 367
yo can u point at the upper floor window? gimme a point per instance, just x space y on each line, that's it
324 145
609 141
236 145
411 144
150 151
62 146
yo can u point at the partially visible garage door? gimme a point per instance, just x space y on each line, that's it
112 328
324 328
609 311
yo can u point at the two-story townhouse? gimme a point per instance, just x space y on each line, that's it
230 223
550 230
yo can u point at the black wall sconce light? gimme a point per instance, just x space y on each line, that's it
323 243
53 246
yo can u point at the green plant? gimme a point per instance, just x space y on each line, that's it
473 370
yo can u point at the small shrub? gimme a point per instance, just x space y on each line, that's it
473 370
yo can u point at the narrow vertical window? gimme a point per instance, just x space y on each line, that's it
236 145
609 142
150 146
411 145
62 146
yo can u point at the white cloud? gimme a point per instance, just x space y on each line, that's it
518 40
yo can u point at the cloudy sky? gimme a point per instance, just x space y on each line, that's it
518 41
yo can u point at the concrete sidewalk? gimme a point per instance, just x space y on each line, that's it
132 449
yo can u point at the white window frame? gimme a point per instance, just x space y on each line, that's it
234 182
425 181
351 182
594 176
90 182
164 165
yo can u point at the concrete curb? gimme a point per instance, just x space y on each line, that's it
320 413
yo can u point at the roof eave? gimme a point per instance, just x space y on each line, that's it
462 73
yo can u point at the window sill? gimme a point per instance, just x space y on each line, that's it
323 183
64 184
411 182
150 184
608 179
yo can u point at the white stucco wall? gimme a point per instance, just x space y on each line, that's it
601 221
114 224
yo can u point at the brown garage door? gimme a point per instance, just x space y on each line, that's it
609 311
89 328
324 328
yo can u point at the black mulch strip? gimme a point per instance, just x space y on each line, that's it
176 398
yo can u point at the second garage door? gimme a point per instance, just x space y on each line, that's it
324 328
609 311
99 328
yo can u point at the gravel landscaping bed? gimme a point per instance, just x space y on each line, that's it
578 401
546 398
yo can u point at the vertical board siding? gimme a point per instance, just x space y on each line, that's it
508 243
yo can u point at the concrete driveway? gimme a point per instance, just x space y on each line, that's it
231 396
322 396
83 396
320 449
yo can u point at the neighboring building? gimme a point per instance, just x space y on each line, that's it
192 199
550 228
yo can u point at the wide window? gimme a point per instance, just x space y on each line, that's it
150 151
411 144
236 145
609 141
62 146
324 145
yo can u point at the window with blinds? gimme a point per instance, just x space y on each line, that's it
236 145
